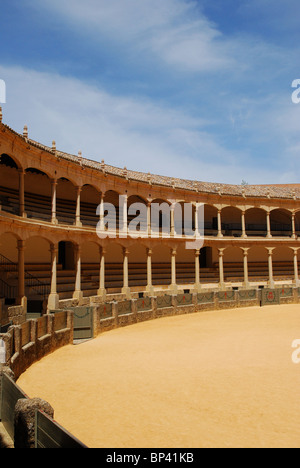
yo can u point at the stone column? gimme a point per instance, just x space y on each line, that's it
124 223
53 300
246 273
102 213
21 272
269 234
173 286
102 291
296 272
53 197
21 193
149 287
244 235
172 215
78 192
220 223
149 219
271 282
293 226
221 268
78 293
125 289
197 270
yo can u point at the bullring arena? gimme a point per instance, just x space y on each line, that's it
214 368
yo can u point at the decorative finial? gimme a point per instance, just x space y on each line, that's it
1 115
25 131
53 146
80 157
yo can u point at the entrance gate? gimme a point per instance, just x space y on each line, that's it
83 323
270 297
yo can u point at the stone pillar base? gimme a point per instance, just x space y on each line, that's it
150 290
78 295
126 292
53 302
173 288
101 293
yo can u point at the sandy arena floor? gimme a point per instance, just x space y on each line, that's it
214 379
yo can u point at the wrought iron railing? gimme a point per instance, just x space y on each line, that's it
41 289
7 291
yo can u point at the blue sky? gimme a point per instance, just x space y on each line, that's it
192 89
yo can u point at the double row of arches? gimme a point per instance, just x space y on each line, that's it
32 193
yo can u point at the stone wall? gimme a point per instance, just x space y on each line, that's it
110 315
34 339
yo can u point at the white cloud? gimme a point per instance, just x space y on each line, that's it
175 31
124 131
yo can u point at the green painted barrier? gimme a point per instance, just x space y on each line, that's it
270 296
226 296
205 298
185 299
144 304
164 301
49 434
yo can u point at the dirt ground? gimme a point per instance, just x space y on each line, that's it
213 379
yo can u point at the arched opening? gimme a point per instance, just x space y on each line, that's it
184 219
137 267
185 266
8 272
113 268
231 221
258 264
37 274
208 265
256 222
66 269
9 185
161 266
137 215
283 264
160 217
233 265
90 262
281 223
66 199
37 194
112 211
210 220
89 202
